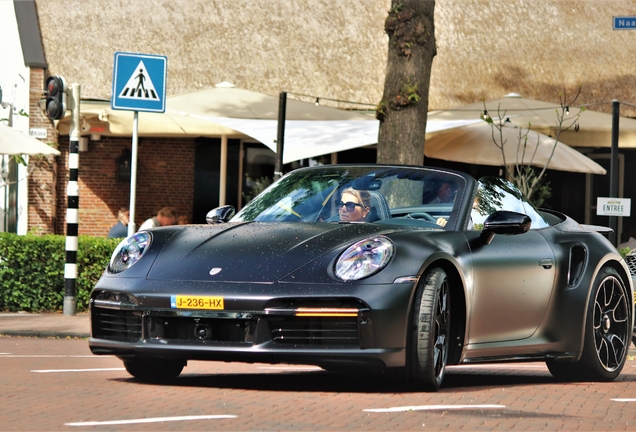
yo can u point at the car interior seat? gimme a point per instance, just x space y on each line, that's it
379 207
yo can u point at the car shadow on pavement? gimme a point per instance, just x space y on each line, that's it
323 381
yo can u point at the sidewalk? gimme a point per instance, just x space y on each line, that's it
45 325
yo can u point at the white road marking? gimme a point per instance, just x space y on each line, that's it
498 366
623 400
47 356
295 368
150 420
433 408
77 370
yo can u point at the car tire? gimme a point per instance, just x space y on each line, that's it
430 338
607 333
153 370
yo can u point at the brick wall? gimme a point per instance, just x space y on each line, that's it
165 177
42 179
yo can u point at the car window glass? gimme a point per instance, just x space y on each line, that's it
311 195
495 194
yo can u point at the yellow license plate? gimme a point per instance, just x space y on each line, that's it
196 302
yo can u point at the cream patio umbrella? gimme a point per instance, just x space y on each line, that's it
310 130
594 128
474 144
228 101
14 142
99 118
256 115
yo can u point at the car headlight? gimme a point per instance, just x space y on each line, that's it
129 251
364 258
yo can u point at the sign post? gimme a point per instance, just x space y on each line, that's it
139 84
72 206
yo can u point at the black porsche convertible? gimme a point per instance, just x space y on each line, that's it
437 269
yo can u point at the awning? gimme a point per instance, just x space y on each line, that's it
310 138
474 144
594 129
14 142
310 130
98 118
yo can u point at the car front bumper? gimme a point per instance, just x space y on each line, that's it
351 326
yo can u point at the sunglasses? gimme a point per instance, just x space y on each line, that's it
350 206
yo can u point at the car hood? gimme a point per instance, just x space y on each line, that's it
253 251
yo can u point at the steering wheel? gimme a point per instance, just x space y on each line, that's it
422 215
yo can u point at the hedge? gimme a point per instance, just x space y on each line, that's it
32 271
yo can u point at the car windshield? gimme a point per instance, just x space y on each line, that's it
374 193
495 194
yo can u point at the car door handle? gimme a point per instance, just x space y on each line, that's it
546 263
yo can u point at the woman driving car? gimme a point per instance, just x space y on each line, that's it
354 205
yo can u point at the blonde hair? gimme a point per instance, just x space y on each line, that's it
363 196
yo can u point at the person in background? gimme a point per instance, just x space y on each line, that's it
166 216
183 219
120 229
445 193
354 205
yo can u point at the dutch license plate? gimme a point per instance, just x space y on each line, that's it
196 302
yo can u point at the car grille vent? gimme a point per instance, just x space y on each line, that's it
630 260
578 262
315 331
206 330
117 325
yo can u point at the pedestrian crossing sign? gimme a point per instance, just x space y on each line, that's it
139 82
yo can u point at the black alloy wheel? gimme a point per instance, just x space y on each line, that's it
607 333
430 337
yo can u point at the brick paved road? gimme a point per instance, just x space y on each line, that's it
56 384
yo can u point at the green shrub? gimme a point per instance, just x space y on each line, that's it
32 270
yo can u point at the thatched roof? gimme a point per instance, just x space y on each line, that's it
334 49
337 49
536 48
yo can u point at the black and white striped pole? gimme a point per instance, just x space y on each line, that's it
59 98
72 208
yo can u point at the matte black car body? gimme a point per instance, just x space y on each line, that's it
499 281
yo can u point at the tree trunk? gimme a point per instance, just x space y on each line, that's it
402 111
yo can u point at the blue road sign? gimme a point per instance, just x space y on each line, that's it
139 82
625 23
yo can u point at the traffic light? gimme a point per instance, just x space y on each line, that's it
55 97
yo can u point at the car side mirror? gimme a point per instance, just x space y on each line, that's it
220 214
505 222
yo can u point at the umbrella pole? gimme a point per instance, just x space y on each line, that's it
614 168
280 141
223 171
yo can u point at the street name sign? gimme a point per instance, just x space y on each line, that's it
37 132
624 23
139 82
